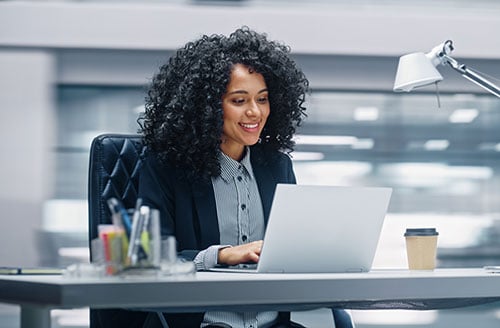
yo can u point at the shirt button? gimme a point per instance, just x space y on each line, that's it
243 207
244 237
239 178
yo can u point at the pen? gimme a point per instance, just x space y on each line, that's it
144 231
132 252
120 215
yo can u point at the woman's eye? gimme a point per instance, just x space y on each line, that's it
238 101
262 100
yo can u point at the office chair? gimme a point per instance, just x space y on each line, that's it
114 166
115 162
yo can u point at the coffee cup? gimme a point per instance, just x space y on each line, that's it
421 246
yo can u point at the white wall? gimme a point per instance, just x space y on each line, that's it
26 130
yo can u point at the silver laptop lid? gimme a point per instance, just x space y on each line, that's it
314 229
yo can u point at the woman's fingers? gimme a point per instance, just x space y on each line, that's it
240 254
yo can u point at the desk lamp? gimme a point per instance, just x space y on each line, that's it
419 69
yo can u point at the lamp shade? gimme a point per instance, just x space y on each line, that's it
415 70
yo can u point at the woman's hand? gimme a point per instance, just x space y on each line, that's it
240 254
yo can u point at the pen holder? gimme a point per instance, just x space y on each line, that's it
133 245
138 252
144 247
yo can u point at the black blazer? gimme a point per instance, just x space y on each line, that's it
188 211
187 207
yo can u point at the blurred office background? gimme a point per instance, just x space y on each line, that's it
70 70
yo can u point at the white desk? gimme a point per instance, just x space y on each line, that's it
402 289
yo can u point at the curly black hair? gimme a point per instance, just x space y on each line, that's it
182 123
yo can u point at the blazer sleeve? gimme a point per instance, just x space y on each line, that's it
187 209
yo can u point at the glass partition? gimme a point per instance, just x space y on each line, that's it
442 162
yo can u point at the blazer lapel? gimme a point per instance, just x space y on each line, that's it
266 185
206 209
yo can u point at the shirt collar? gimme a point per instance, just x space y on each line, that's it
231 168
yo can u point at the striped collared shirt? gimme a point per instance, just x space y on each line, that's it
241 220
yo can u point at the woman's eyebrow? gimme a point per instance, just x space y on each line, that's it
245 92
237 91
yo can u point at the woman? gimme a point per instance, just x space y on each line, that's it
219 122
221 103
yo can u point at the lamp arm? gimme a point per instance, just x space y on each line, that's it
471 75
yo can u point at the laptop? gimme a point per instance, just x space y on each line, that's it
321 229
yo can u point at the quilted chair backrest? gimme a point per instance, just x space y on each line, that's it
115 161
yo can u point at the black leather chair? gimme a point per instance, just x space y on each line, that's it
115 162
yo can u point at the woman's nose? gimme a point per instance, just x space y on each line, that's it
253 109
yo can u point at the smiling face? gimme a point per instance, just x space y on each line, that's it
246 108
